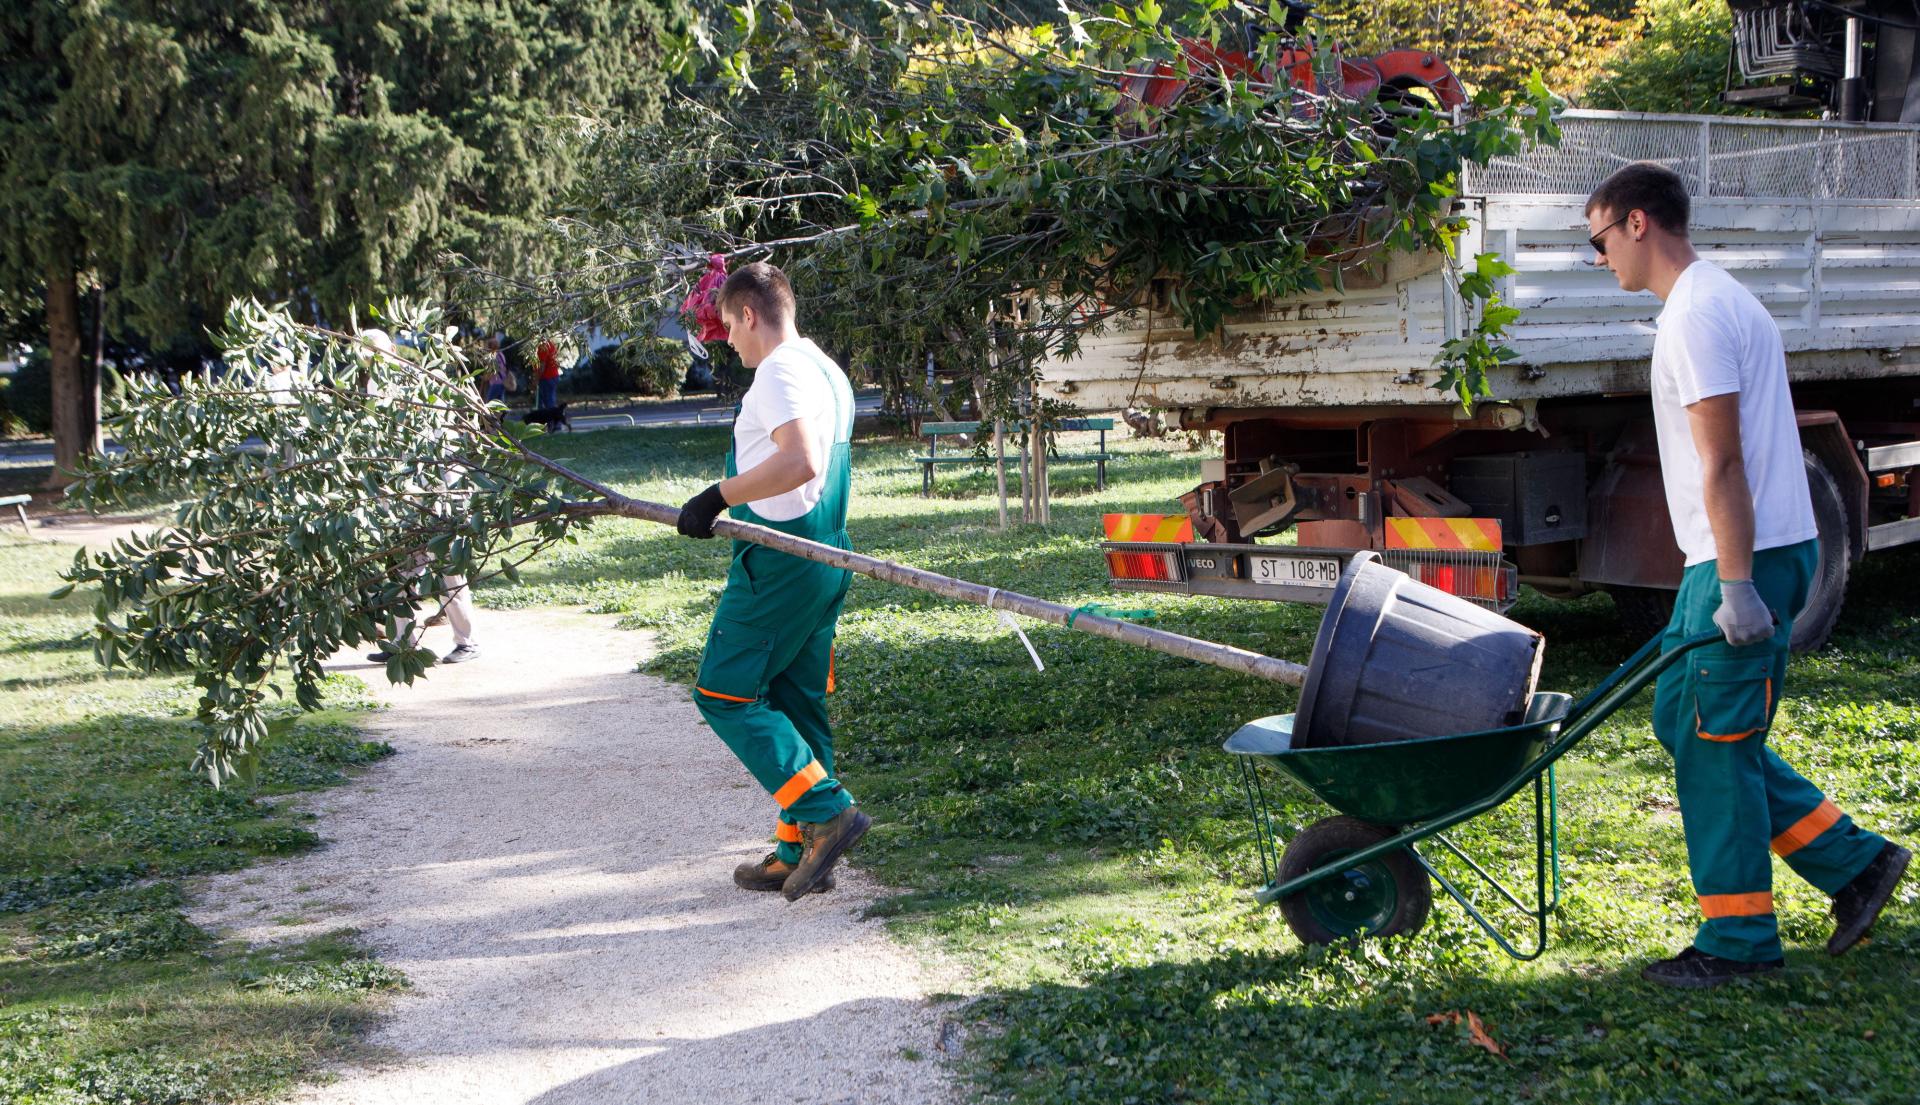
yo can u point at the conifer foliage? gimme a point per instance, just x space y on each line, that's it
183 155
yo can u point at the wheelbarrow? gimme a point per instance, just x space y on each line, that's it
1361 873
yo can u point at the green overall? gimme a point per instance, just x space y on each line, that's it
1737 796
768 664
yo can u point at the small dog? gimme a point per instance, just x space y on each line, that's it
552 419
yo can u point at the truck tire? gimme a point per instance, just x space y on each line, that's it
1645 610
1642 611
1828 591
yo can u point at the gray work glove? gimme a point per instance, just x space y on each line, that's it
1742 616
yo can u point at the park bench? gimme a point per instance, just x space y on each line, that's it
934 431
19 504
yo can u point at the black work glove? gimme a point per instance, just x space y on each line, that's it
696 518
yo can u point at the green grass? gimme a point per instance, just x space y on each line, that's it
108 992
1078 838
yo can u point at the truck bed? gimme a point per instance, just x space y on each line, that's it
1820 220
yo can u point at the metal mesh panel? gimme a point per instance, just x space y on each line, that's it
1716 157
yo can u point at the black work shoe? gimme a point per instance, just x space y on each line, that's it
1859 902
821 845
380 657
1694 969
771 874
461 654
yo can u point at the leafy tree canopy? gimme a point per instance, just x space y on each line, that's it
918 172
1677 61
916 169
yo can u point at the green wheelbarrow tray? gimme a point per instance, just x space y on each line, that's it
1412 791
1404 782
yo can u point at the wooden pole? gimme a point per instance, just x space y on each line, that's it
993 598
1000 465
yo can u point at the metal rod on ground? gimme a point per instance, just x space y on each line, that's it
1173 644
1000 465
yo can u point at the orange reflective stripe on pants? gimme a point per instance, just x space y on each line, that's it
1802 832
786 832
723 697
802 782
1756 904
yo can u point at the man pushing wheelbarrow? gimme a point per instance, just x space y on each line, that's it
1736 487
1378 738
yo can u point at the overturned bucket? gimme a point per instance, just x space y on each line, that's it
1398 660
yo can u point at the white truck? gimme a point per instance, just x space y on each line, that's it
1332 428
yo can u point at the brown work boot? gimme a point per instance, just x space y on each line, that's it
821 845
771 874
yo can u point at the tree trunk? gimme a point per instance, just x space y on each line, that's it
72 435
95 372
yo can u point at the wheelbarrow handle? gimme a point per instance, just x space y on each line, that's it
1617 689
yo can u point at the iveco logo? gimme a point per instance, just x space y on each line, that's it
1201 562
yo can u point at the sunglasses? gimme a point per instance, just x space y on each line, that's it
1599 241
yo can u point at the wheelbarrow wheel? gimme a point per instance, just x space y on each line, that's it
1387 896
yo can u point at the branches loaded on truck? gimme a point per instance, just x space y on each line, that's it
1333 430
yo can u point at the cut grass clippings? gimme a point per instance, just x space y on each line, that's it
1080 841
109 993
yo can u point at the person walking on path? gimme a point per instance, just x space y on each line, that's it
496 379
456 603
768 665
549 387
1736 486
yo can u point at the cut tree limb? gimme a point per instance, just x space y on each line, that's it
994 598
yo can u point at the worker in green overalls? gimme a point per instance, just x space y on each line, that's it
768 665
1736 484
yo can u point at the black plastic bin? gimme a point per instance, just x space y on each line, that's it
1398 660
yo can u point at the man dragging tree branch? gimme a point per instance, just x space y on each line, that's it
768 664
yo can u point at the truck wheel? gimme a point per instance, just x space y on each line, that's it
1646 610
1643 611
1828 591
1388 896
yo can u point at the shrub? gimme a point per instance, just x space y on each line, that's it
28 394
638 366
26 397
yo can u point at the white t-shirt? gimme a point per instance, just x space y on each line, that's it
1715 338
790 384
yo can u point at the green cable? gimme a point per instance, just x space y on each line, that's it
1101 610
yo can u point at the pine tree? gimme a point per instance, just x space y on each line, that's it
179 155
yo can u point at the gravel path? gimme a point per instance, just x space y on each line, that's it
548 860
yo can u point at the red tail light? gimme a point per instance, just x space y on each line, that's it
1161 566
1488 584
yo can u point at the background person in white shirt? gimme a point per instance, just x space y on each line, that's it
1730 458
456 596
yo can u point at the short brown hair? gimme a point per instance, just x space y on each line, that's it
761 286
1644 186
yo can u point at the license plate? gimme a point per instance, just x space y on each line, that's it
1299 571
